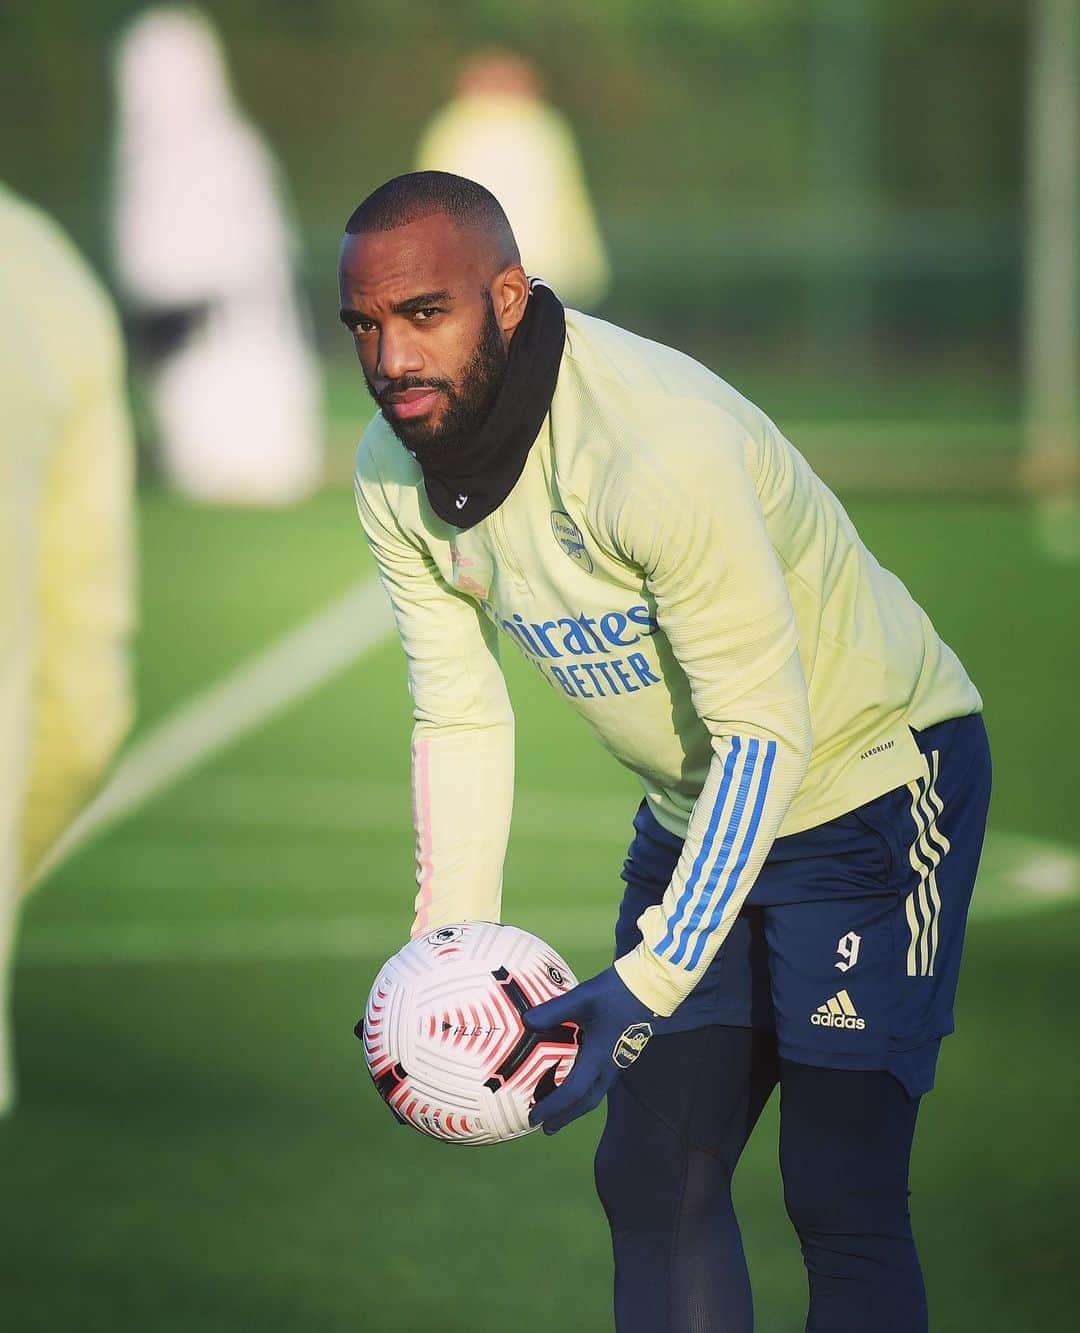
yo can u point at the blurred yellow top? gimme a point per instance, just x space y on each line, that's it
523 151
66 536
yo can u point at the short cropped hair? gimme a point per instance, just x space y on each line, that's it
418 194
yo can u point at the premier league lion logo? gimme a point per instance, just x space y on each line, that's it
631 1043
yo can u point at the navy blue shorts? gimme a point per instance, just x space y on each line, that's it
848 945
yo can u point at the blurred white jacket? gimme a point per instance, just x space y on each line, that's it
66 552
199 232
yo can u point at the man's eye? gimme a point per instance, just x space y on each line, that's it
363 326
429 312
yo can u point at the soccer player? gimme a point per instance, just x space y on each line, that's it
815 768
67 594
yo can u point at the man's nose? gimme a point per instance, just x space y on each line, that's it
399 355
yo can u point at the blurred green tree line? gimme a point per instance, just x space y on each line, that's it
762 168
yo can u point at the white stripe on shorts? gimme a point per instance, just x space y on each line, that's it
923 903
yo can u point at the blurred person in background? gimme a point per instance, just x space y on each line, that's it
499 131
66 555
204 257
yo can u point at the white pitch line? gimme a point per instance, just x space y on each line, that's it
266 683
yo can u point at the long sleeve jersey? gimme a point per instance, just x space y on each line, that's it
677 573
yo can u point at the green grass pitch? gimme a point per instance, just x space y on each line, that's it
198 1146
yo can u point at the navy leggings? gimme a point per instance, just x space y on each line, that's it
664 1167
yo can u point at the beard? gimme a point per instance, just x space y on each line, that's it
467 403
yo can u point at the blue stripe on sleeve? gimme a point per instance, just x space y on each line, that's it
703 850
740 862
738 806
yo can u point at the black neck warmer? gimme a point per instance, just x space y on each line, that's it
465 484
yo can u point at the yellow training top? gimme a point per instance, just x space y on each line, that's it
523 150
66 536
676 572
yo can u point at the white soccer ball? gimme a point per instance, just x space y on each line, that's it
443 1036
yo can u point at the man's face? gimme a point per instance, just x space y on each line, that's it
431 325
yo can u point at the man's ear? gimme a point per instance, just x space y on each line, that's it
509 296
